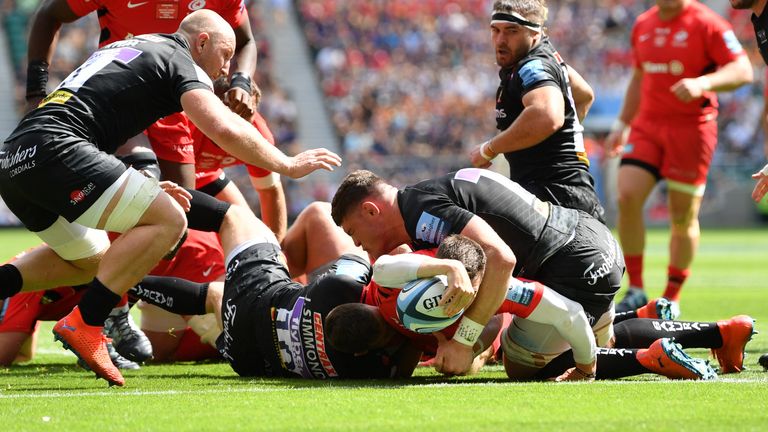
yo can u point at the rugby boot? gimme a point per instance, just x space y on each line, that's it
736 332
667 358
660 308
635 298
89 345
119 361
127 338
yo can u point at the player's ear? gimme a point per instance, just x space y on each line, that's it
369 207
202 39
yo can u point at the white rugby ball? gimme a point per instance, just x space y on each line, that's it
417 305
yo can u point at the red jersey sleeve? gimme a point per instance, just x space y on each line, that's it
233 11
724 47
82 8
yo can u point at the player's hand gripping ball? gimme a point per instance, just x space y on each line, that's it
417 305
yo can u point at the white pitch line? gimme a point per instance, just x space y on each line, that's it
341 386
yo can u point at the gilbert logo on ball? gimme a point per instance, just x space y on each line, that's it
418 308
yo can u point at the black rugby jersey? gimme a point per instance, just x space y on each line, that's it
534 230
119 91
294 342
561 157
760 24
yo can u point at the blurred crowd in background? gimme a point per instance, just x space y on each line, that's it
410 84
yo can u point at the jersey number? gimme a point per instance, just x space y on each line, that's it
96 62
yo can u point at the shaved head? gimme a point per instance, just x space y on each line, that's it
206 21
211 39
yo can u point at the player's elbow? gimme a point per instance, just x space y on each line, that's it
501 259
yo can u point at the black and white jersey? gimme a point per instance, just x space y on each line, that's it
294 342
119 91
561 157
760 24
534 230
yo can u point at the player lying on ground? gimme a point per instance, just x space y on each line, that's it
357 327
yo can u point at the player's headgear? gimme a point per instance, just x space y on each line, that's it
514 17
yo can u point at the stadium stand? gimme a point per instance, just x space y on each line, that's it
409 85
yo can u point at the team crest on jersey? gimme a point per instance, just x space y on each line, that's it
196 4
680 39
761 36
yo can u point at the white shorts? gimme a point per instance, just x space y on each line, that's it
534 345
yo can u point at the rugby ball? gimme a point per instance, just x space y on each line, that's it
417 305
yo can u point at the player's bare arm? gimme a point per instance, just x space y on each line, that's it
243 88
617 139
541 117
44 28
396 270
729 77
455 356
240 139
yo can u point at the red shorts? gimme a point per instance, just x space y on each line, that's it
171 139
20 313
679 151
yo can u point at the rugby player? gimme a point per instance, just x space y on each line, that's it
359 327
565 249
683 54
273 326
539 104
57 176
170 137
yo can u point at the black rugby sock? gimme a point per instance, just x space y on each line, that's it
615 363
641 333
175 295
97 303
612 363
623 316
206 212
10 281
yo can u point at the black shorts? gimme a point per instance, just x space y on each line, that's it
582 198
252 276
587 270
44 175
213 188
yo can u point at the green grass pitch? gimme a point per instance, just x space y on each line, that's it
52 393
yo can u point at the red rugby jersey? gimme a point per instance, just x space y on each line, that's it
694 43
210 158
121 19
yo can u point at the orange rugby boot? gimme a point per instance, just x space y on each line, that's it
667 358
736 332
89 345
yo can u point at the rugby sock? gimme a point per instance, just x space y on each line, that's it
10 281
623 316
641 333
675 279
634 264
175 295
206 212
97 302
615 363
612 363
